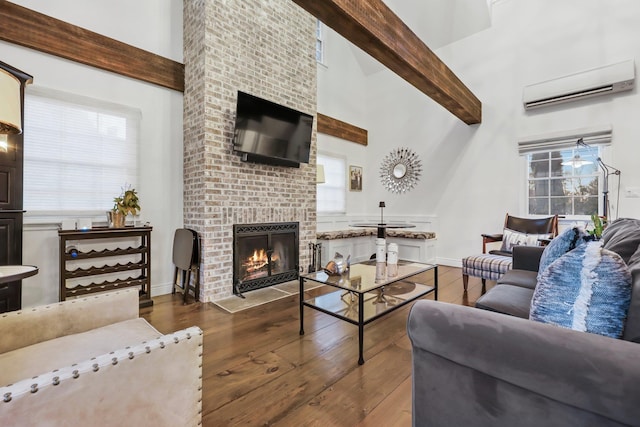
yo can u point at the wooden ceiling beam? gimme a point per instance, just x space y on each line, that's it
343 130
375 29
35 30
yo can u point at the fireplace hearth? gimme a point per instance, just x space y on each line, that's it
264 255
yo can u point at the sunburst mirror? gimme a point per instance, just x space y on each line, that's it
400 170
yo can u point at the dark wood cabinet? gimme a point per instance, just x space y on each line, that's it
11 207
138 262
10 238
10 296
10 254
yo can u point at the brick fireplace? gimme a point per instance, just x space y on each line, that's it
266 49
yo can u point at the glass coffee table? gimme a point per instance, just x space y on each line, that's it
360 299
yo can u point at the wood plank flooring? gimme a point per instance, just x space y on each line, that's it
258 370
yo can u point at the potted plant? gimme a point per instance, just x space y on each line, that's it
125 204
599 224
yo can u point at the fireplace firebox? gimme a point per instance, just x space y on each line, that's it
264 255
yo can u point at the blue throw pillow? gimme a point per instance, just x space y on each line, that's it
567 240
587 289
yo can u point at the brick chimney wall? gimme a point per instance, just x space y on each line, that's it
265 48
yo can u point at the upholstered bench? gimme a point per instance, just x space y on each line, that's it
416 246
346 234
484 266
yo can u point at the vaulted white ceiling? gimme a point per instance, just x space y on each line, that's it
436 22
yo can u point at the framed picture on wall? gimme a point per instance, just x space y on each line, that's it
355 178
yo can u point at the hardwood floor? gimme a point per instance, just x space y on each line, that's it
258 370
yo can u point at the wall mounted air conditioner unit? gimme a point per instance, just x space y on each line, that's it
586 84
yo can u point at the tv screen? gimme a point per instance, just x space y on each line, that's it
267 132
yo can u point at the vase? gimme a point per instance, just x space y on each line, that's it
115 219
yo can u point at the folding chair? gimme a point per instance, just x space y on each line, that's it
186 258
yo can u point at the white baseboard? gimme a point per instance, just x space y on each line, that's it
162 289
450 262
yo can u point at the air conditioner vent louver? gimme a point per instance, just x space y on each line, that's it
586 84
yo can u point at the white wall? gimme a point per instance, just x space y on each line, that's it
472 174
341 94
153 25
532 41
344 83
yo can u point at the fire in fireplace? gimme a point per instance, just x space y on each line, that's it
264 255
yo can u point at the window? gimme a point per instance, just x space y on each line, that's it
79 153
332 195
319 42
563 182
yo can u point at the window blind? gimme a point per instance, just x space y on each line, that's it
79 153
565 139
331 196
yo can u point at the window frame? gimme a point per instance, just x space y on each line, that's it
599 152
320 42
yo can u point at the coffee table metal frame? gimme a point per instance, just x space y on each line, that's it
374 298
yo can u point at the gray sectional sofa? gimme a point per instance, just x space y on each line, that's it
495 367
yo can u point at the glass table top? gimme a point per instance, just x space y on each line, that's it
361 278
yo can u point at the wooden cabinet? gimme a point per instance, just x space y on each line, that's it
10 296
102 272
11 165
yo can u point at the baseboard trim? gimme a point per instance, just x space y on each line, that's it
162 289
450 262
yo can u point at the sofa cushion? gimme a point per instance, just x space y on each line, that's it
622 236
507 299
567 240
527 257
60 352
25 327
522 278
632 326
511 238
587 289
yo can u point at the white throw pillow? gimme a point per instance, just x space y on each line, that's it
511 238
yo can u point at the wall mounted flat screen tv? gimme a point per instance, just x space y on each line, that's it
267 132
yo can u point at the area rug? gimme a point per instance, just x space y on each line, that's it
258 297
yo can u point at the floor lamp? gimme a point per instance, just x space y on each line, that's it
607 170
10 107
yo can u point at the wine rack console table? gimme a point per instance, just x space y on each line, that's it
139 261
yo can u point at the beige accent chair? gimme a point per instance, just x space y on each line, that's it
94 361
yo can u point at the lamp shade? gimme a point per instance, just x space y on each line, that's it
577 162
320 174
10 120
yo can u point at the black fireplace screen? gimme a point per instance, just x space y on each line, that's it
264 255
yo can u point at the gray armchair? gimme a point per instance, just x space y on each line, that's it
548 225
